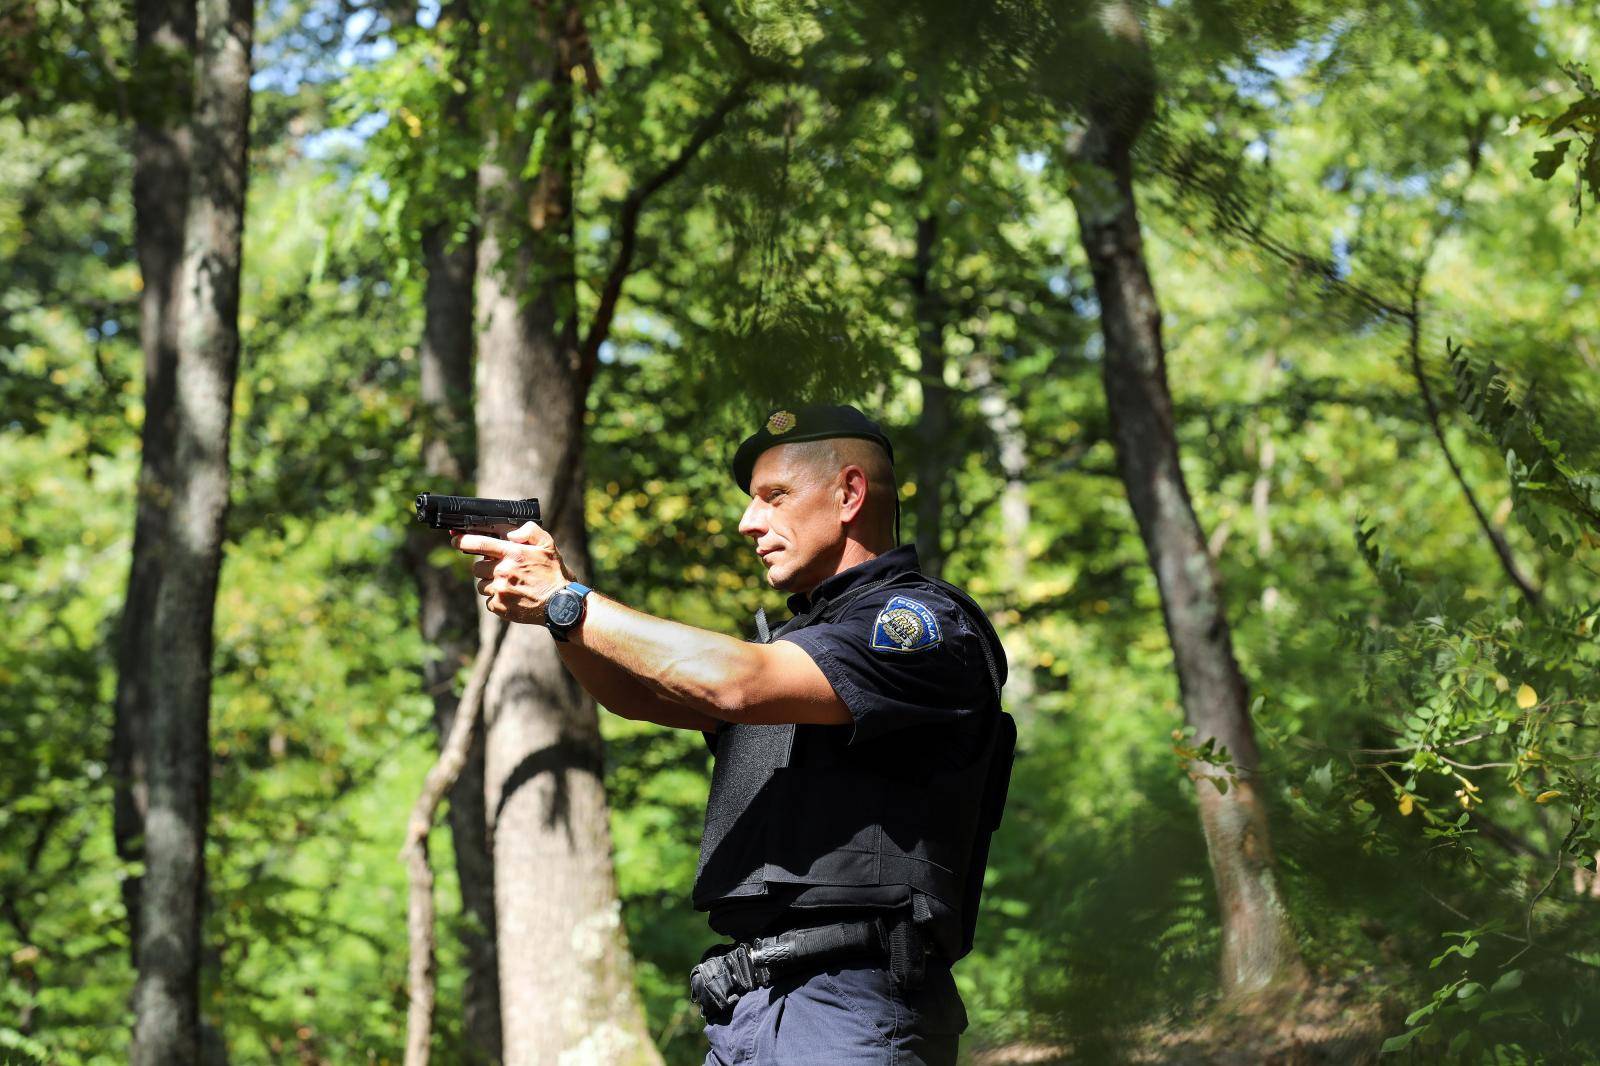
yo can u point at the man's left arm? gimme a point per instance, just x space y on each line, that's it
719 676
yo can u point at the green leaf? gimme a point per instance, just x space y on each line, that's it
1547 161
1509 981
1399 1043
1573 115
1420 1013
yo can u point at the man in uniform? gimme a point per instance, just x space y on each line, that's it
861 753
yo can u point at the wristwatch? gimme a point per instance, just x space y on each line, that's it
565 609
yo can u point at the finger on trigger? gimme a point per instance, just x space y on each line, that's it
476 544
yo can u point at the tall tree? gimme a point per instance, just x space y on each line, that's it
1258 951
565 973
177 738
933 458
163 72
447 615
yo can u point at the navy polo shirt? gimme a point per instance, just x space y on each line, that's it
908 663
901 656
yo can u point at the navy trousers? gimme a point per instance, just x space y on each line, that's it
842 1016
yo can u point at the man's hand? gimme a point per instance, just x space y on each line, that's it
518 575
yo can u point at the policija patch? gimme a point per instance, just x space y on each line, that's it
904 625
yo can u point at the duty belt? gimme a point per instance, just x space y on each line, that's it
728 971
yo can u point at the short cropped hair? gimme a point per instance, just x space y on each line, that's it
828 457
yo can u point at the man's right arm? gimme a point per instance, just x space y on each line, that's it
618 692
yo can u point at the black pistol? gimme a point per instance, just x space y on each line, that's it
474 514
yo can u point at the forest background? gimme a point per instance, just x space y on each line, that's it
650 223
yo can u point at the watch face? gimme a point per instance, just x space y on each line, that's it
563 607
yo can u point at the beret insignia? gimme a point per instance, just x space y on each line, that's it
781 422
904 625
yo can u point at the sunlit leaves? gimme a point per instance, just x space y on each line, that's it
1578 127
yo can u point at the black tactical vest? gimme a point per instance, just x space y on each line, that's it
848 833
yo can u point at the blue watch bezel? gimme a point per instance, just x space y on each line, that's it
559 630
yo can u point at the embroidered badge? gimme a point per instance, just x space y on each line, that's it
904 625
780 423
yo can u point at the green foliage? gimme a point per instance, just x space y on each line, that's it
1558 500
1577 128
1427 734
62 53
1485 706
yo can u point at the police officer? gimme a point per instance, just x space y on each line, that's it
861 756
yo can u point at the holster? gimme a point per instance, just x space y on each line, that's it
725 972
728 971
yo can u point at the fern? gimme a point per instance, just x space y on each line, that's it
1556 501
1191 931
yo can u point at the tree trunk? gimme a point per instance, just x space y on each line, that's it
448 613
164 49
1258 951
448 616
1261 493
933 424
166 995
1004 420
565 972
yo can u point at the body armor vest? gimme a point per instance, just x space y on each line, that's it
848 833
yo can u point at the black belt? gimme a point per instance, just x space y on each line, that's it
728 971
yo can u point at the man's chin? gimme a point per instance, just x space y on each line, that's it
780 576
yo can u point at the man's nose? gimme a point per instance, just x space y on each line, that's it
750 524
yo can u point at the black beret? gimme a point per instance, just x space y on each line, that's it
813 422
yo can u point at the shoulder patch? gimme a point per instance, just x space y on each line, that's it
905 625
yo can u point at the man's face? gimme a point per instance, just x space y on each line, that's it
794 517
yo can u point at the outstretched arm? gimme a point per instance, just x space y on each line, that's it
616 648
626 697
721 677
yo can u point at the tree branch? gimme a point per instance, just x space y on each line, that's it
1502 550
628 222
755 64
420 970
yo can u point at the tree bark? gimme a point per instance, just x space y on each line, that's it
566 978
448 619
1261 492
932 463
1258 951
448 614
455 751
166 994
164 51
1001 413
933 424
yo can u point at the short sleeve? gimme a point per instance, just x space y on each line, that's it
900 658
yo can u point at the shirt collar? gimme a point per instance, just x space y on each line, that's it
894 561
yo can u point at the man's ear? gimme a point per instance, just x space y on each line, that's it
854 482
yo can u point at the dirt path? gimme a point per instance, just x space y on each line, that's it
1335 1024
